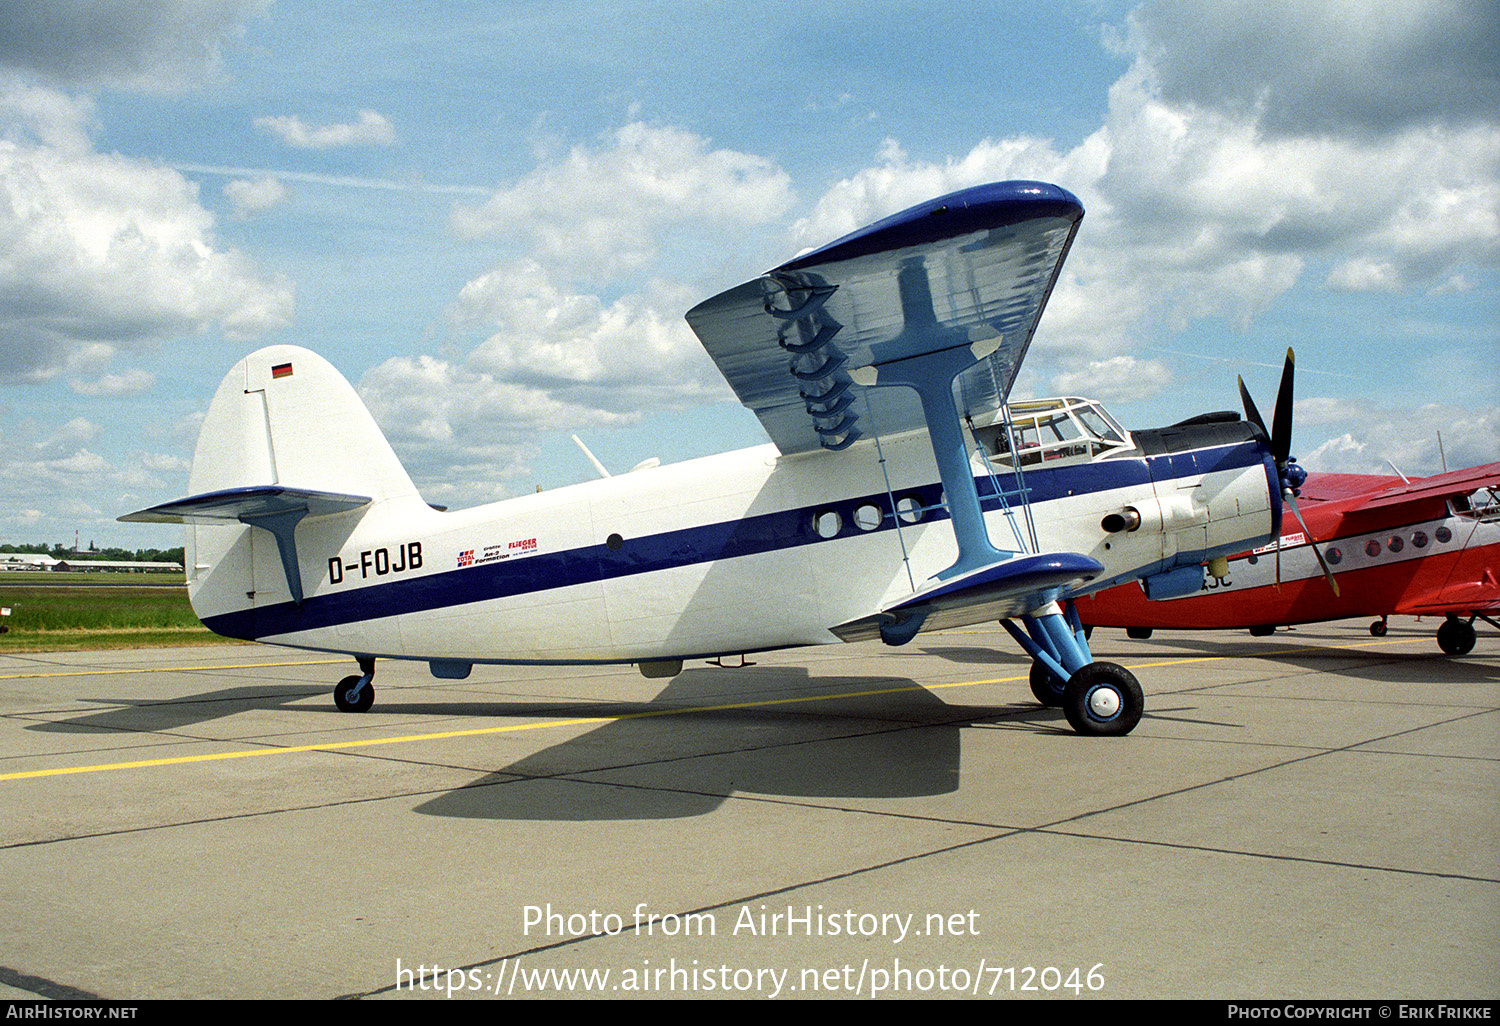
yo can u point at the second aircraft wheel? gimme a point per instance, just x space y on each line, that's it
1456 637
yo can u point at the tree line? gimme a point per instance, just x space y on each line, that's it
60 551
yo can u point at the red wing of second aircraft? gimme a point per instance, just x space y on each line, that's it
1428 547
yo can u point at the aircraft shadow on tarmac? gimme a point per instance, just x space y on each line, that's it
656 762
147 715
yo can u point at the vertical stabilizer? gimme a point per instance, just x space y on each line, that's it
285 416
283 430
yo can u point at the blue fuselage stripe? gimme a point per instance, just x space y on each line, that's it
749 536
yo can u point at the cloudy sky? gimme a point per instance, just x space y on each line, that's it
492 216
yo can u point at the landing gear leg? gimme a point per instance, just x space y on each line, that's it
1455 636
1045 685
1099 699
355 693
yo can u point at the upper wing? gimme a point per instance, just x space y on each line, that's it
1423 497
1321 487
972 269
1443 486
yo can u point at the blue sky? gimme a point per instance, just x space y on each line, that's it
492 216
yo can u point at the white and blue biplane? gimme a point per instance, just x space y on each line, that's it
900 493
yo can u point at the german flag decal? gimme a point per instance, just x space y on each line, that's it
281 370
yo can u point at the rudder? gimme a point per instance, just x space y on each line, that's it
284 415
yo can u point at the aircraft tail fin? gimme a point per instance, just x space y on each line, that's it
286 440
285 416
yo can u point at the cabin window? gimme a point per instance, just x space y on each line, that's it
1419 539
1372 547
868 517
827 523
908 509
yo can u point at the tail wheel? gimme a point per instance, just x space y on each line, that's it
1103 700
350 697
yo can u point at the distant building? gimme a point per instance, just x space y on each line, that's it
117 566
26 561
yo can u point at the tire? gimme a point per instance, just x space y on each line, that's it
1103 700
1047 688
1138 633
346 687
1378 629
1456 637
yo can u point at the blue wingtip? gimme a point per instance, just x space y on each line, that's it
994 205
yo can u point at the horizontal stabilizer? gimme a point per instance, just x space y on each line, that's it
276 508
993 592
246 505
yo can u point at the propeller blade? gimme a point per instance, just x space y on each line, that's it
1251 413
1327 573
1281 418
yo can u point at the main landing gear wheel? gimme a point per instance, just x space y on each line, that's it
1047 688
350 697
1378 628
1456 637
1103 700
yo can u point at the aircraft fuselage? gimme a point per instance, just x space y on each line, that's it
735 553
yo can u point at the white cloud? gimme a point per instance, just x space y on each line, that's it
126 383
1409 439
615 356
598 212
371 129
101 249
1114 379
75 431
251 196
463 433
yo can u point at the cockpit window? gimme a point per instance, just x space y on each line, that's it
1052 431
1101 423
1065 428
1483 505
